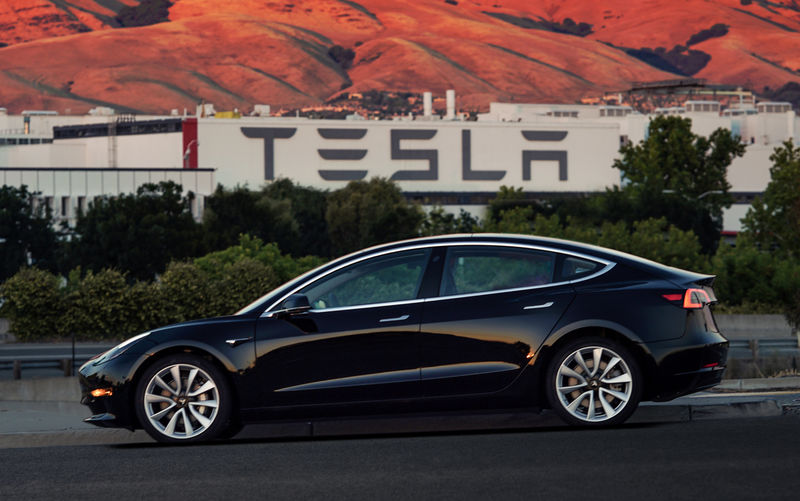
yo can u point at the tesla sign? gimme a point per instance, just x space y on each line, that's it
444 156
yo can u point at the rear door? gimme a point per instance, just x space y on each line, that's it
496 304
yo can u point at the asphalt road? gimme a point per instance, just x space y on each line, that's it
725 459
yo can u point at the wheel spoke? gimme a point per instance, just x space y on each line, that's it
206 403
575 403
175 370
622 378
597 354
590 410
566 371
190 379
611 364
204 421
160 382
187 423
570 389
170 429
579 358
152 398
158 415
615 394
208 385
606 407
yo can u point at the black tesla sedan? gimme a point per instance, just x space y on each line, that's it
444 323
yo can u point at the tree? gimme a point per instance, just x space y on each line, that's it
137 234
368 213
26 232
307 207
679 175
439 222
774 219
231 213
146 13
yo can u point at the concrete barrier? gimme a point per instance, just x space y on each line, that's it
753 326
54 389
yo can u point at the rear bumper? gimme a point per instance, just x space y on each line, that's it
683 368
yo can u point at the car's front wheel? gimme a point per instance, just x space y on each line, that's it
183 398
594 381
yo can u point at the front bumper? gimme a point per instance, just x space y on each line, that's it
111 411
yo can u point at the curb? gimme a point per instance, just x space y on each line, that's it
765 384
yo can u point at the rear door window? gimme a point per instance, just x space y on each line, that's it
475 269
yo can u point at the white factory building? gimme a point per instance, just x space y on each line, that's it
547 149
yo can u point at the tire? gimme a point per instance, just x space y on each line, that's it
608 396
183 398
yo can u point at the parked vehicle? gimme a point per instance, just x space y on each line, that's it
434 324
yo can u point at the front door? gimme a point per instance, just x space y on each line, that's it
359 342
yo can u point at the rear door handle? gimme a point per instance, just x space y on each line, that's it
395 319
539 306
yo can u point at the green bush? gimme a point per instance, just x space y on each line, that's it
96 309
104 306
285 266
186 292
33 303
241 283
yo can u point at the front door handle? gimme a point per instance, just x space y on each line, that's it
236 342
539 306
395 319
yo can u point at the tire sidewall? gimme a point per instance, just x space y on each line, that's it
221 421
552 374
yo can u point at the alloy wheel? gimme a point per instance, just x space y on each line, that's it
181 401
594 384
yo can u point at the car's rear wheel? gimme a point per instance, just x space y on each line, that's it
183 398
594 381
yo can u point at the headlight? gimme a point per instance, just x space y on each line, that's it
119 349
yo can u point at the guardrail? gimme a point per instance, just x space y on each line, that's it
758 347
18 363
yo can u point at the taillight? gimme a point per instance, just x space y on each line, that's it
695 298
692 298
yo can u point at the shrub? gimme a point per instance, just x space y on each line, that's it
97 308
186 292
33 303
241 283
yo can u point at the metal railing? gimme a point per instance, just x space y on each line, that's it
18 364
763 347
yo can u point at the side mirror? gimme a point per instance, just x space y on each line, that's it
296 303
